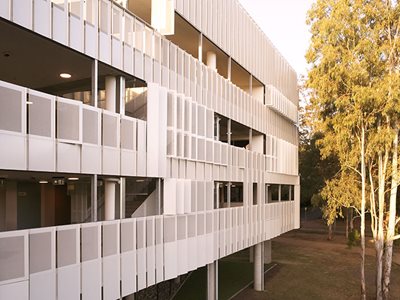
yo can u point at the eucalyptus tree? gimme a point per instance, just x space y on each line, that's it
355 93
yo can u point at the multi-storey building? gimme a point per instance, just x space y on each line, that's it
139 140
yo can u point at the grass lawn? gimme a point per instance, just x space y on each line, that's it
310 267
234 273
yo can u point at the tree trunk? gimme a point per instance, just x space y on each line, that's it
380 240
388 253
347 223
351 220
330 232
387 269
362 226
379 256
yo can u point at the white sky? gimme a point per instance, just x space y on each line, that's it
284 22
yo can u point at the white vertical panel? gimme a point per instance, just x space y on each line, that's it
105 31
41 17
150 251
68 262
17 291
111 260
153 129
42 283
170 248
159 248
180 195
141 148
141 253
182 244
128 257
22 12
5 9
91 265
12 126
170 196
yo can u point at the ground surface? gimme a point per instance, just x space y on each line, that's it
311 267
234 273
308 266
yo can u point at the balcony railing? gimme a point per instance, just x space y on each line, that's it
105 31
118 258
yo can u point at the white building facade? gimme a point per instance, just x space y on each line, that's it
139 140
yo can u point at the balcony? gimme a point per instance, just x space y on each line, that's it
117 258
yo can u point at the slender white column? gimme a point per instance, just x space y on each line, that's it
267 252
109 184
94 87
93 187
258 267
212 60
111 93
200 50
212 281
109 199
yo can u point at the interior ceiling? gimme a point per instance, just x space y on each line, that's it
141 8
37 176
30 60
185 36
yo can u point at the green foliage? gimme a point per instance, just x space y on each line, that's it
354 87
354 238
313 168
340 192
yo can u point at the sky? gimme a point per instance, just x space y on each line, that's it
284 22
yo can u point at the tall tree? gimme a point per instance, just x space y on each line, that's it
354 82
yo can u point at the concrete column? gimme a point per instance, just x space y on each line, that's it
258 267
93 191
120 95
122 197
251 85
11 205
229 68
229 133
251 139
269 194
279 193
212 281
95 73
200 50
217 128
267 252
159 207
109 199
212 60
109 184
228 194
111 93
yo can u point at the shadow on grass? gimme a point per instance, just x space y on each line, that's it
234 273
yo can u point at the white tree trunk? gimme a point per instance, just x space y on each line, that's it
362 226
388 253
